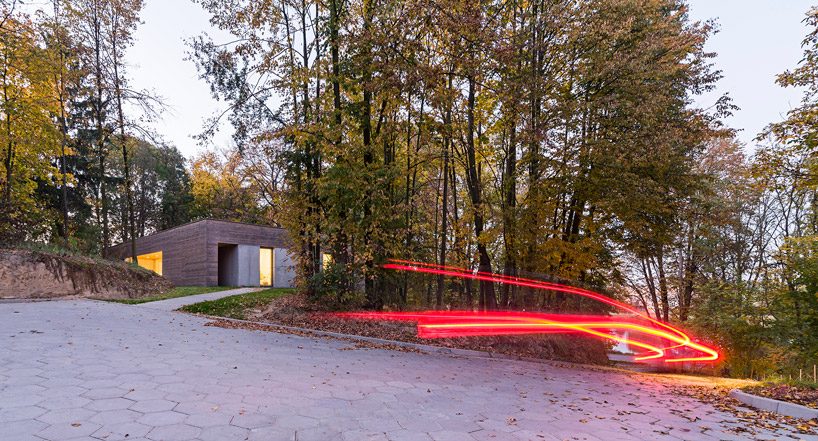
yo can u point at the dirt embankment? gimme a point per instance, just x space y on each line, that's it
295 310
26 274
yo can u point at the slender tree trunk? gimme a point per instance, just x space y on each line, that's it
487 296
444 215
98 116
366 128
686 299
663 292
648 274
508 293
116 62
9 159
60 81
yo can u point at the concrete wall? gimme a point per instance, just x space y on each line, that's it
284 269
240 234
248 274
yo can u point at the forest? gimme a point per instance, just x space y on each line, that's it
560 139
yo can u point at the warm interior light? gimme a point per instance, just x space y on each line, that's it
150 261
265 266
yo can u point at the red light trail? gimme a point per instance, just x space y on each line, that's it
660 341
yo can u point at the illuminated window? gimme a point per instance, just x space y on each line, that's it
150 261
265 266
326 260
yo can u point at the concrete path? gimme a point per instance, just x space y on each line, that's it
85 370
178 302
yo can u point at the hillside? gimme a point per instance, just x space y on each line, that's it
29 274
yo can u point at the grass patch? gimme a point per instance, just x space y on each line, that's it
237 306
179 291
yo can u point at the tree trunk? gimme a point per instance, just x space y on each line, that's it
663 285
444 215
116 62
366 128
487 297
508 295
98 116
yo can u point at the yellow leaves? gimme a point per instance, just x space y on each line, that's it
28 136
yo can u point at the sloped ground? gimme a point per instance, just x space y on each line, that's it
28 274
294 310
94 370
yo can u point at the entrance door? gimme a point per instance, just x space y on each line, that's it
265 266
228 265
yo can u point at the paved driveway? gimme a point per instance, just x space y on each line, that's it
178 302
93 370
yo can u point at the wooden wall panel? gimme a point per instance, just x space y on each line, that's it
190 251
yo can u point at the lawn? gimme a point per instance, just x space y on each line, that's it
238 306
179 291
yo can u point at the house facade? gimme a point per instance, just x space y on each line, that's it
215 253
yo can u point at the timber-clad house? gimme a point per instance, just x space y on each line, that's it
214 252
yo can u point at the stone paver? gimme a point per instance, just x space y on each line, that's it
178 302
95 370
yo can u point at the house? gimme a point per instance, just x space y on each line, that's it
214 252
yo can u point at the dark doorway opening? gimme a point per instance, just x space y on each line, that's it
228 264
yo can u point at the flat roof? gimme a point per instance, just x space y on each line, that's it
196 222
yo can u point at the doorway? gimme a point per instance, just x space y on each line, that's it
228 264
265 266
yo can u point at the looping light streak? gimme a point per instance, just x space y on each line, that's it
661 341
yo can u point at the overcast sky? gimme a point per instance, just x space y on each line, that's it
757 40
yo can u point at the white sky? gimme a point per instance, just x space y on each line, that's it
758 39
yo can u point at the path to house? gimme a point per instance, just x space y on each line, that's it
91 370
178 302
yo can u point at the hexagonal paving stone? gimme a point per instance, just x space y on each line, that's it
224 398
99 384
450 435
253 420
174 432
184 396
224 433
110 404
20 413
191 408
144 394
318 434
64 403
153 406
22 429
363 435
66 391
208 419
65 431
122 431
408 435
162 418
105 392
296 422
66 415
379 424
271 433
115 416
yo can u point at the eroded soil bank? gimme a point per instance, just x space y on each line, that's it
27 274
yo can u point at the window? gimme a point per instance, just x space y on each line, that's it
150 261
265 266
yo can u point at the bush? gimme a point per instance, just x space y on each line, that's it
334 288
